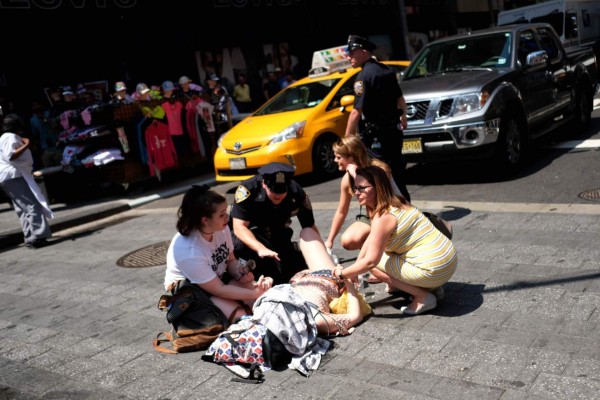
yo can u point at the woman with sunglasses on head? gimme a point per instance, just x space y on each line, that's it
202 252
421 259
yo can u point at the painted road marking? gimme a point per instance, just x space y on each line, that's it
578 144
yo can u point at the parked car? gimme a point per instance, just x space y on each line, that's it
297 126
490 93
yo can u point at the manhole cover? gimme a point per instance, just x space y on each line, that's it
591 195
149 256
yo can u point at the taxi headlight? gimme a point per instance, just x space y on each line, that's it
221 139
470 102
294 131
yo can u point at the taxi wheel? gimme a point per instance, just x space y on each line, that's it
323 158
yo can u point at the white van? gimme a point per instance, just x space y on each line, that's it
577 22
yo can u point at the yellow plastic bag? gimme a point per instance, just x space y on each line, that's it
340 304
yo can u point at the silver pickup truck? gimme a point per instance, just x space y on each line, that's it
489 93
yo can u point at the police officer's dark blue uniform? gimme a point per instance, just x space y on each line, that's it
377 94
260 226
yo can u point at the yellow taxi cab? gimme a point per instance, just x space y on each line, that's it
298 126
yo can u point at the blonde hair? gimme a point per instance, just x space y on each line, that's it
352 148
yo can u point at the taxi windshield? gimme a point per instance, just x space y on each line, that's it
299 97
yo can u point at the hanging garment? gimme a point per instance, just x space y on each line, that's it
173 111
205 110
227 66
161 151
190 123
237 59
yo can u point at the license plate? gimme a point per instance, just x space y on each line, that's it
412 146
237 163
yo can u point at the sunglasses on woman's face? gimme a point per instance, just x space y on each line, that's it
361 189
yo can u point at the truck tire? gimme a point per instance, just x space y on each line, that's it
511 146
324 164
583 109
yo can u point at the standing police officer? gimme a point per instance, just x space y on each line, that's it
261 216
379 111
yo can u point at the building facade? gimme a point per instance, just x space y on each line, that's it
155 40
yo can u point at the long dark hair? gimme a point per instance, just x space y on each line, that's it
198 202
384 194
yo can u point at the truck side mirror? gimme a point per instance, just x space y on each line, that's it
537 58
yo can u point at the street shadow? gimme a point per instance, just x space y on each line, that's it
460 299
452 213
98 227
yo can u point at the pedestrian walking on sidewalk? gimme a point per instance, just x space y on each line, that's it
16 180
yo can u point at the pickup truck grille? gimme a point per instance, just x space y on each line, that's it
444 108
417 111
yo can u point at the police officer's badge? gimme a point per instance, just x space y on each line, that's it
241 194
359 88
280 177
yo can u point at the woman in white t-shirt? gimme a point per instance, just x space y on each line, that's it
202 252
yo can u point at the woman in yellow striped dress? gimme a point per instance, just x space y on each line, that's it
421 258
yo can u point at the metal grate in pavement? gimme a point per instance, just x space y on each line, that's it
591 195
149 256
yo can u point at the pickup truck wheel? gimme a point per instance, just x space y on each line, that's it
510 146
583 109
323 157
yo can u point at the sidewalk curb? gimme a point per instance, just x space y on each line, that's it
15 237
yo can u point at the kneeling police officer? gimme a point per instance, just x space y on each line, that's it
261 214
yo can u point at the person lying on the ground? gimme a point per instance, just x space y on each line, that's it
202 252
319 287
292 318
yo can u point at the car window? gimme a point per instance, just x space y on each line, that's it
548 43
298 97
527 44
345 89
487 51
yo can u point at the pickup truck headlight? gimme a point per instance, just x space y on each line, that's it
470 102
293 131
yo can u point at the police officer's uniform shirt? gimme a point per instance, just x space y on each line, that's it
252 204
377 91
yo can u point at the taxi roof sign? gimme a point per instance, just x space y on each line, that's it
330 60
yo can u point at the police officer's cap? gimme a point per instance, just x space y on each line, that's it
359 42
277 176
